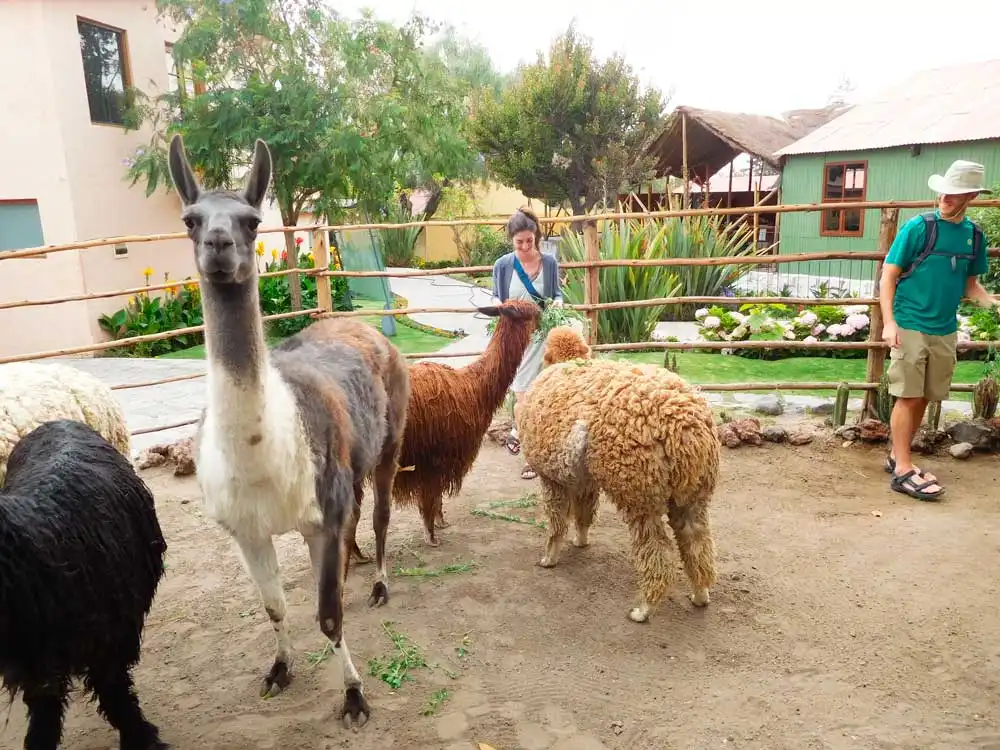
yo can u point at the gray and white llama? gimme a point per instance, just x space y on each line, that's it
290 434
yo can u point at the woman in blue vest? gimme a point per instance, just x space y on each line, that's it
526 273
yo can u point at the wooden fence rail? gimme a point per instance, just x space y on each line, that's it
889 220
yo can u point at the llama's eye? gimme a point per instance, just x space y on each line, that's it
189 222
252 224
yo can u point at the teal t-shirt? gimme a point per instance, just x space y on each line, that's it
928 300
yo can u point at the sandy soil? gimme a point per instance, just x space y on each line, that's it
831 626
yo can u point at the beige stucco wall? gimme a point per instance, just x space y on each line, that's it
438 243
75 170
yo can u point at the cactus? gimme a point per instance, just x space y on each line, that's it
884 401
840 405
934 415
670 362
984 398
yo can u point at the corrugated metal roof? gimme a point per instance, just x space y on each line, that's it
944 105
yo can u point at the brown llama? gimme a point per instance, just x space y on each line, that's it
449 411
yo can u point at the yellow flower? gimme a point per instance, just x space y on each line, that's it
260 248
174 288
274 255
192 286
147 271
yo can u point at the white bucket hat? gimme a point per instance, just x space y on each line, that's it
961 178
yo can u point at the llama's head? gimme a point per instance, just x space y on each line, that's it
518 310
564 344
222 224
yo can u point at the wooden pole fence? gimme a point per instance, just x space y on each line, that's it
478 221
132 340
133 290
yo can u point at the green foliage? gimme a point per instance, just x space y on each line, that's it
569 129
986 392
180 307
145 315
624 240
989 220
351 110
551 317
706 237
397 245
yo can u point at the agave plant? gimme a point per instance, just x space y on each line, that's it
706 237
623 240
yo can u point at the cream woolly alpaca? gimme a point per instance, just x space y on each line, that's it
643 436
33 393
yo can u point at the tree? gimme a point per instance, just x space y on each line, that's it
570 129
352 111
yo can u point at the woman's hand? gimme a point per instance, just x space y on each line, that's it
557 303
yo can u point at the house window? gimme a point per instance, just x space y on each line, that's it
20 225
844 182
105 71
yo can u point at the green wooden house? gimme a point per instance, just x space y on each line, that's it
885 149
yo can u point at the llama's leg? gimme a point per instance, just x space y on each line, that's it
118 703
439 521
428 510
584 510
385 475
46 708
261 563
359 556
653 559
556 502
333 571
693 533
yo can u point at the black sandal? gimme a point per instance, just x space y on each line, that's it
513 445
890 468
906 485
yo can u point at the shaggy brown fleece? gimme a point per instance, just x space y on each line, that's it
450 410
648 440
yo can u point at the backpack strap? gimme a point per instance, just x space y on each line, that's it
931 231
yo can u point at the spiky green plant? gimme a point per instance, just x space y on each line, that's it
623 240
884 401
839 416
984 397
934 415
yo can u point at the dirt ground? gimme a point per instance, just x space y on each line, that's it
845 616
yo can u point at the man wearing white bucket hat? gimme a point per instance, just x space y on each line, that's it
933 263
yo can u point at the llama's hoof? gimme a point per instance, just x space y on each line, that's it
430 540
380 594
356 710
360 557
277 680
581 540
639 614
700 598
441 524
148 739
547 562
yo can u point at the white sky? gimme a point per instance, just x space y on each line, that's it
759 56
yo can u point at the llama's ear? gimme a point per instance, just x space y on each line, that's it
491 310
181 174
260 175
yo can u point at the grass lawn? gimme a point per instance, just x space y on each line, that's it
717 368
408 340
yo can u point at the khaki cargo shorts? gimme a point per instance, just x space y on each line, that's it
922 365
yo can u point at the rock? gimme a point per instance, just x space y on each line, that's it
770 406
849 433
820 409
774 434
927 441
499 430
180 453
800 437
981 435
739 431
961 450
873 431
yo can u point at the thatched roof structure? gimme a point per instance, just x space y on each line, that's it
715 138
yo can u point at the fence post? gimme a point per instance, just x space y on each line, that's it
321 260
591 287
888 224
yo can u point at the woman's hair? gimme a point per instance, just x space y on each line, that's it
525 219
